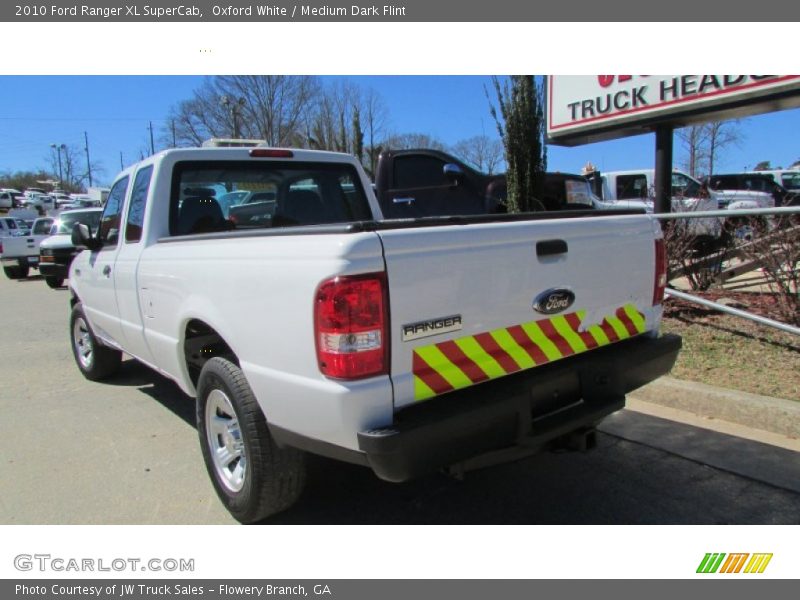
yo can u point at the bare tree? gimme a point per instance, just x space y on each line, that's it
358 136
336 108
201 117
778 254
376 116
269 107
482 151
721 135
283 110
406 141
275 106
705 143
764 165
694 139
73 170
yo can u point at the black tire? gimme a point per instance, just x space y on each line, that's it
12 272
101 361
54 282
271 478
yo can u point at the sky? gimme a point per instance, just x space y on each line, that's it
115 112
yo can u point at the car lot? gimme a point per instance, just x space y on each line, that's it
126 451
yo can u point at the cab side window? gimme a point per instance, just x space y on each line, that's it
141 185
631 187
683 187
418 172
42 227
110 221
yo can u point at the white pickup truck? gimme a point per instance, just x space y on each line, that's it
317 326
636 189
20 253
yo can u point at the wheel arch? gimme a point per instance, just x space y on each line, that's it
200 343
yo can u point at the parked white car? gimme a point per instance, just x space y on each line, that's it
39 202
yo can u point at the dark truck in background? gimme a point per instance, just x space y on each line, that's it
428 183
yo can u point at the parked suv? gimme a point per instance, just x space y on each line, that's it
788 178
733 187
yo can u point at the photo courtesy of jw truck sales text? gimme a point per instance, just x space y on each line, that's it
295 301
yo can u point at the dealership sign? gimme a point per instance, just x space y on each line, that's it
587 108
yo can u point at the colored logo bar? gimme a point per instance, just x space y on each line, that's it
719 562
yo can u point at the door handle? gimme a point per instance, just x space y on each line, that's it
403 200
551 248
107 270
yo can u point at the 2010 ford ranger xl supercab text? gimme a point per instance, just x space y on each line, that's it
315 325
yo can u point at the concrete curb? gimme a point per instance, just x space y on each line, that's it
759 412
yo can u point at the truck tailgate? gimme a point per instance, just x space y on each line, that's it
475 302
22 246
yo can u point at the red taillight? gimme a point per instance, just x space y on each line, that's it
660 283
351 326
271 153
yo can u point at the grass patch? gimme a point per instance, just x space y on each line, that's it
732 352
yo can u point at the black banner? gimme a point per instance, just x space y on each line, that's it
402 10
396 589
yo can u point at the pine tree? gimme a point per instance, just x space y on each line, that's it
521 128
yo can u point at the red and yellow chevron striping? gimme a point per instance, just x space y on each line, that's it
455 364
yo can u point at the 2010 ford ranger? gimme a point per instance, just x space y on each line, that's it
316 325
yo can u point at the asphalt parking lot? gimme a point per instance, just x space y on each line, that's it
126 452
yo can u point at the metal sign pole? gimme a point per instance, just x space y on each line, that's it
663 175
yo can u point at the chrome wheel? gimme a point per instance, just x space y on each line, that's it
82 340
225 441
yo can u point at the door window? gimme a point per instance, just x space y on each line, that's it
141 185
418 172
631 187
42 227
110 221
684 187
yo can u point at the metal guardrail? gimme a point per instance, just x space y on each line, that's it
733 212
733 311
727 214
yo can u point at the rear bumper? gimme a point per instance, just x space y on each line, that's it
530 408
13 261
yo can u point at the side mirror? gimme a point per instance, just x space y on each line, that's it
453 173
82 238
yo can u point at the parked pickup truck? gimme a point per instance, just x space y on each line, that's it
636 189
404 345
424 182
57 251
21 253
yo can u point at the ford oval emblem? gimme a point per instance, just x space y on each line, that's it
553 301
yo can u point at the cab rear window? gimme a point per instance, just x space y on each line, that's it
226 195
